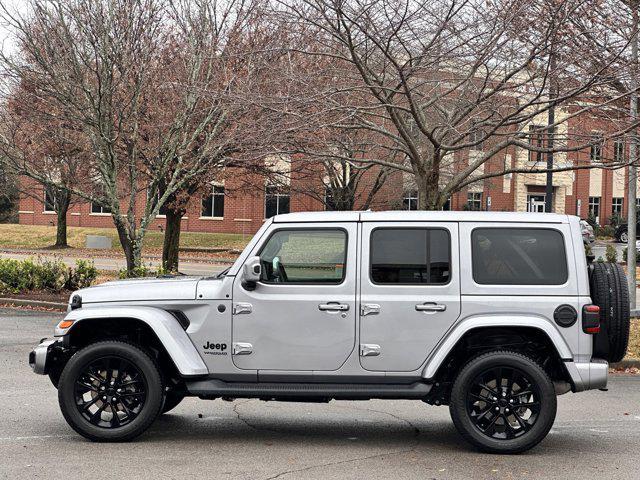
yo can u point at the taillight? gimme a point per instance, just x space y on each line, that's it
591 319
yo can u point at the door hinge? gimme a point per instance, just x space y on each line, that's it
240 348
240 308
369 309
369 350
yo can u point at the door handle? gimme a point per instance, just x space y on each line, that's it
333 307
430 307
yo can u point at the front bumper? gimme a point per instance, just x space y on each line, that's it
39 356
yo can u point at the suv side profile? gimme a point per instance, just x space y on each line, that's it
492 314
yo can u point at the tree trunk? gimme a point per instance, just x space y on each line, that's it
127 246
62 207
171 245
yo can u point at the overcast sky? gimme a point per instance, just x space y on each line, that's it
12 6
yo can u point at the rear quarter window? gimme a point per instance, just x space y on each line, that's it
518 256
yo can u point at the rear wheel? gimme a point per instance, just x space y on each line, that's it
110 391
503 402
624 237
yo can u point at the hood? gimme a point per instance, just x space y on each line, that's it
141 289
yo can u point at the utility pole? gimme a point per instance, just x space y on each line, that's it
548 197
633 158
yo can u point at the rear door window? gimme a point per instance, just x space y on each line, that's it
410 256
518 256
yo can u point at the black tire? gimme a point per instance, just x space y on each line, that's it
135 372
522 420
609 290
171 401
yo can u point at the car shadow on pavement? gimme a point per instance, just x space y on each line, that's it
325 433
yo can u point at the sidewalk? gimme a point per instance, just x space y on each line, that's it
188 267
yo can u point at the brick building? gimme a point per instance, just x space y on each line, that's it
242 201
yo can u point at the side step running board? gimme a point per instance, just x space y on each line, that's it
219 388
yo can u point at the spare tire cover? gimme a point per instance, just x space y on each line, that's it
609 290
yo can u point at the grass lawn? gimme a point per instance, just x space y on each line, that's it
40 236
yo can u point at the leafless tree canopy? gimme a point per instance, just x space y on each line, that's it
435 79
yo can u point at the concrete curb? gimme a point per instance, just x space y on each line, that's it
626 363
19 302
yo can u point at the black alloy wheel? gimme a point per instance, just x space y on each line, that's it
503 403
111 391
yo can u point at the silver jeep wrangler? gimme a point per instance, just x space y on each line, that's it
492 314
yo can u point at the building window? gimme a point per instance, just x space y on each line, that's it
49 200
276 201
162 211
618 151
536 140
447 205
474 201
410 200
476 137
329 201
96 208
594 208
213 204
616 206
596 149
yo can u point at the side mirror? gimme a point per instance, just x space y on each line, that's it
251 273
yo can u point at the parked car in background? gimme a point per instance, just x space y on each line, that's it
586 230
621 232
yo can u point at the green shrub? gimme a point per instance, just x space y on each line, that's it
624 256
142 271
53 275
600 260
606 232
611 254
83 276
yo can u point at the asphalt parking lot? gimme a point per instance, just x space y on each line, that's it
595 434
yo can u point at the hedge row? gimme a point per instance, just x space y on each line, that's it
52 275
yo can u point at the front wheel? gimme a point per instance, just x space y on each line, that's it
624 237
503 402
110 391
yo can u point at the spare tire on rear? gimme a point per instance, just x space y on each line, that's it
609 290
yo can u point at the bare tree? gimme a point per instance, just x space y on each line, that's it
101 64
36 145
437 80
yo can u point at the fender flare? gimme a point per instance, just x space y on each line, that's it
472 323
174 339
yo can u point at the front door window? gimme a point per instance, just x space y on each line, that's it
304 256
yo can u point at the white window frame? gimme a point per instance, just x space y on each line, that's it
213 194
473 198
409 197
44 201
592 204
617 204
278 195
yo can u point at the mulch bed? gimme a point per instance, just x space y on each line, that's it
40 295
